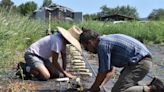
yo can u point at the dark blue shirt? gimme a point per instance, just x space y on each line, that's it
119 50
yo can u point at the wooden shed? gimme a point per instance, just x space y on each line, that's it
115 17
58 12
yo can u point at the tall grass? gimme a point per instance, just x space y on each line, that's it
16 33
152 31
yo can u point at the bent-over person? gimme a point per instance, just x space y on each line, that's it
121 51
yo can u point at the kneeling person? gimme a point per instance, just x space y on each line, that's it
38 54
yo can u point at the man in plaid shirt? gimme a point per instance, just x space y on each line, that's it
122 51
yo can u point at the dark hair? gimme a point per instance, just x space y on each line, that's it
87 35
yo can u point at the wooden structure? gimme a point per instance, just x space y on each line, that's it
115 17
58 12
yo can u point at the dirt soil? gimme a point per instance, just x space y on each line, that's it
10 83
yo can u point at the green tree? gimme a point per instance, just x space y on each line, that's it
46 3
105 11
89 16
123 10
156 14
7 4
27 8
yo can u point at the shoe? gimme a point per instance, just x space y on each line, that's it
156 85
21 71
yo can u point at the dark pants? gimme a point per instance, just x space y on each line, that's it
131 75
35 61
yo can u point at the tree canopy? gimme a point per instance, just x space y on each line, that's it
156 14
46 3
121 10
6 4
27 8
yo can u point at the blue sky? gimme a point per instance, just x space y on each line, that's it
144 7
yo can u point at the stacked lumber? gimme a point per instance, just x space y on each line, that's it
77 63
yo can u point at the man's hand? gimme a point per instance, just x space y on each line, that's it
69 75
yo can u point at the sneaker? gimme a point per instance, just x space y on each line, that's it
156 85
21 71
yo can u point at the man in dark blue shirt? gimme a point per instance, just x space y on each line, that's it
122 51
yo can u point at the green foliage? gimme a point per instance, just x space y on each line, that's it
7 4
16 34
87 17
27 8
147 32
156 14
122 10
46 3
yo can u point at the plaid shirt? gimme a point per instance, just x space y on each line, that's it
119 50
